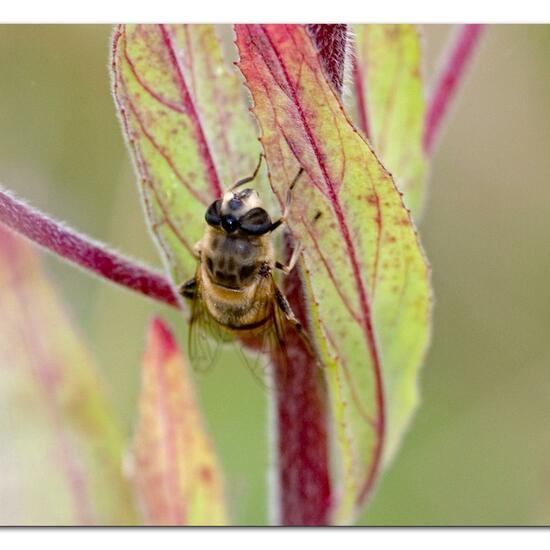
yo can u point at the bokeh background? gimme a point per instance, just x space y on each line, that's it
478 451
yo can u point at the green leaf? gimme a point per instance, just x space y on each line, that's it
61 457
390 97
365 272
176 473
188 127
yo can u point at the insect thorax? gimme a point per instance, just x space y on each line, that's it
234 260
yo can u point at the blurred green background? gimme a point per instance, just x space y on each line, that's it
478 451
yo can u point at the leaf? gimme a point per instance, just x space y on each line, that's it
176 473
61 453
366 276
390 96
189 130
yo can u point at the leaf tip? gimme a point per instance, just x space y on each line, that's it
160 341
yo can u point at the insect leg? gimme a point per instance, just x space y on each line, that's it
286 269
291 187
284 306
282 219
286 310
249 178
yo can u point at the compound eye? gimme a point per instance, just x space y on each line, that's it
256 222
212 215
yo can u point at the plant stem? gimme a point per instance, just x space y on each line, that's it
90 255
455 61
303 489
332 44
303 485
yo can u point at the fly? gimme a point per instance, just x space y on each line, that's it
233 291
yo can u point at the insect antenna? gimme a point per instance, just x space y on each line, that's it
248 179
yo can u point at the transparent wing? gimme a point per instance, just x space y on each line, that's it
264 352
252 346
267 355
205 337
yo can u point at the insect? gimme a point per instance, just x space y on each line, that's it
233 291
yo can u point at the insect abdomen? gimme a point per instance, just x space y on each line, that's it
232 261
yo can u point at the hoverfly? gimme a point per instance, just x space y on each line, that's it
233 292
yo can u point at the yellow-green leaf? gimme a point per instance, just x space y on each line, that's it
364 270
176 473
188 127
390 99
61 452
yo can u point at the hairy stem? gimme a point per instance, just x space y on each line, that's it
303 490
90 255
455 61
332 43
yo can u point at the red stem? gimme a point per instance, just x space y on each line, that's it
452 70
88 254
302 445
331 42
303 481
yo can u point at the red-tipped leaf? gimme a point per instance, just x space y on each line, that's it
176 473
